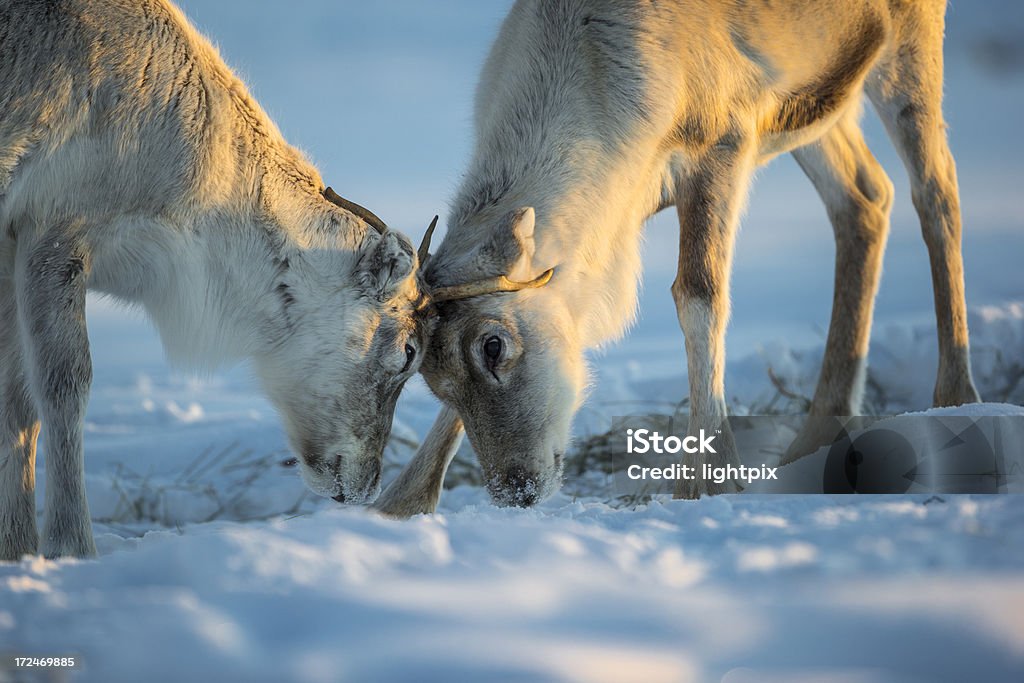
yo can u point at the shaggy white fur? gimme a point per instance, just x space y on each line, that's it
133 162
598 113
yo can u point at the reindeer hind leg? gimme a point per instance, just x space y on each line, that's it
858 197
906 89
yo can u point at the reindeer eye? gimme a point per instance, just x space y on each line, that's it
492 348
410 356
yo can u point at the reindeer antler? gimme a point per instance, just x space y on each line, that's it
353 208
491 285
424 251
467 290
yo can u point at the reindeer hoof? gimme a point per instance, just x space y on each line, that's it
69 544
817 433
692 489
14 548
957 395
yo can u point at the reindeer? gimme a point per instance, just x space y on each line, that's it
592 115
134 163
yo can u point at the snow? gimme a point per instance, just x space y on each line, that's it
750 587
868 587
215 564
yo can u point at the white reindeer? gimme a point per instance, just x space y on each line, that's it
591 115
133 162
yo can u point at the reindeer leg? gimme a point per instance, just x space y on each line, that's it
19 429
709 200
51 282
858 197
417 490
907 93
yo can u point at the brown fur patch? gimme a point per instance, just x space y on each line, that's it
834 87
691 131
697 276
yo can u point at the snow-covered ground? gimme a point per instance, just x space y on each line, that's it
282 587
216 565
750 588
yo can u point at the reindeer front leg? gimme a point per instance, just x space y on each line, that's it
19 428
417 490
709 200
51 282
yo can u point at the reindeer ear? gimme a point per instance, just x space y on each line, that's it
512 247
385 266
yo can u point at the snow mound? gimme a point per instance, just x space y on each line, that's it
957 450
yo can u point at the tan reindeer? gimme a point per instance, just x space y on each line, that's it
591 115
133 162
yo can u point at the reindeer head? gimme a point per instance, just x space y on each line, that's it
353 334
505 354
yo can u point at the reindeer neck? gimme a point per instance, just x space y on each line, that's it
590 207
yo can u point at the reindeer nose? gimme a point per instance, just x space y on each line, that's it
517 488
362 491
524 500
